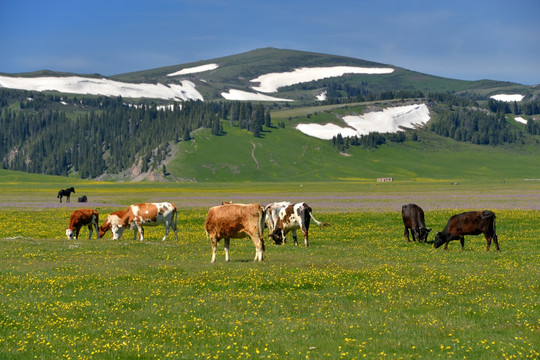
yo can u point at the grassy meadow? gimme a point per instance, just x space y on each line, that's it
359 291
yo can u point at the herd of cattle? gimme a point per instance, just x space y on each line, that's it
233 221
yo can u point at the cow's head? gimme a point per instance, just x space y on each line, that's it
117 231
276 236
440 239
70 234
423 233
102 230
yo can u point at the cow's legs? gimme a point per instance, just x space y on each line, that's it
306 237
167 229
259 248
214 248
496 240
95 223
406 234
294 237
462 241
90 231
226 244
141 231
414 234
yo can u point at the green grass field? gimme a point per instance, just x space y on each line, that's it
359 291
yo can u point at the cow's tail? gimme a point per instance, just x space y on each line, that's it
494 226
175 219
262 214
320 223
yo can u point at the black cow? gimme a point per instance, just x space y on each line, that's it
413 218
83 198
468 223
66 193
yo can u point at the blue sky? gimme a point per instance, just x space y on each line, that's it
468 40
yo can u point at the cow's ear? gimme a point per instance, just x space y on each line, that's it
428 229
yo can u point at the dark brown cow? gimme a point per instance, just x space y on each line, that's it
413 218
468 223
291 218
236 221
80 218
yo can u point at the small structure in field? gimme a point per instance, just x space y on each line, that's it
386 179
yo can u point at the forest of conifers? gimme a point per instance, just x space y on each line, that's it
91 136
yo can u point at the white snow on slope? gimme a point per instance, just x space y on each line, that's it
519 119
388 120
81 85
507 98
270 83
234 94
196 69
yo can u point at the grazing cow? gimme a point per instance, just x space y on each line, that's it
112 220
272 214
82 198
147 214
66 193
413 218
291 218
236 221
80 218
468 223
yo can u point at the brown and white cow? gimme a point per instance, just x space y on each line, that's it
272 214
80 218
236 221
413 218
112 219
468 223
147 214
291 218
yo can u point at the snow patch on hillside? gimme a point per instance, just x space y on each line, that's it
507 97
81 85
519 119
271 82
234 94
388 120
196 69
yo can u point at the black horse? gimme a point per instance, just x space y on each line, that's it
66 193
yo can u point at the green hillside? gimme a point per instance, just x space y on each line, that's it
288 155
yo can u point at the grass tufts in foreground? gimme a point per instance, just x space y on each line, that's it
358 291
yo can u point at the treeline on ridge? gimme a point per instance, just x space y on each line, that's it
101 135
